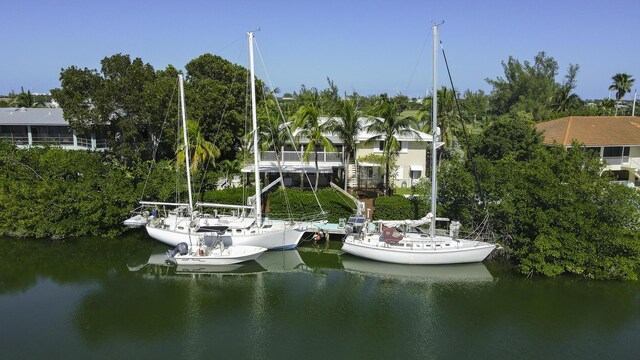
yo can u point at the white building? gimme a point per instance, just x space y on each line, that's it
39 126
616 139
410 162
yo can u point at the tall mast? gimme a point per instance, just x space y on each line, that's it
186 142
434 132
254 120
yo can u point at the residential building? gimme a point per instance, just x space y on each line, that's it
410 162
39 126
616 139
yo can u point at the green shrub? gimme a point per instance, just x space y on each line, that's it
234 196
398 207
303 204
54 193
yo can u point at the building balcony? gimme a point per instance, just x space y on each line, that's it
292 157
65 142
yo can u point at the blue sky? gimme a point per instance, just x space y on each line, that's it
365 46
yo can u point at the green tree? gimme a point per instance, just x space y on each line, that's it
622 84
530 87
607 105
565 99
229 167
563 218
311 127
510 135
448 119
273 134
555 211
475 106
216 99
347 128
24 99
388 124
200 149
111 102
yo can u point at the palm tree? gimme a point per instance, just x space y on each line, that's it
564 99
229 167
310 126
347 128
388 124
447 115
272 134
622 84
200 149
607 105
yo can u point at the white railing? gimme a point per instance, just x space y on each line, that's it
616 160
292 156
63 141
46 139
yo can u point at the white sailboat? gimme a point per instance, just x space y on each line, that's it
206 249
182 225
403 242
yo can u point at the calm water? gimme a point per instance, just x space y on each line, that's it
105 299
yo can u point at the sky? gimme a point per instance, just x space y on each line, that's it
369 47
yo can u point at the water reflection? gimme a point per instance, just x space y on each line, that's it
421 273
100 298
155 261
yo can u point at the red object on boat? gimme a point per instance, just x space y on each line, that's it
391 235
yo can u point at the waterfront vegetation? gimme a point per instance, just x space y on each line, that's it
552 209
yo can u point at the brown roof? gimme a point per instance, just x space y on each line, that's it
592 130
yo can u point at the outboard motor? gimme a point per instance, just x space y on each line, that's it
182 249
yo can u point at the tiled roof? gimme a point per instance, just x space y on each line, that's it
592 130
32 116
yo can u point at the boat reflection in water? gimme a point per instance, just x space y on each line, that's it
271 261
281 261
246 268
472 272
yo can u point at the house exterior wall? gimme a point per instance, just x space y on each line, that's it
634 157
412 153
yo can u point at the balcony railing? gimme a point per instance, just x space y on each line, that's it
616 160
18 140
65 141
62 140
292 156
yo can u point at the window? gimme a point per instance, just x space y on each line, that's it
380 147
615 151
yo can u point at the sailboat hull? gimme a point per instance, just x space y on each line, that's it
419 254
279 238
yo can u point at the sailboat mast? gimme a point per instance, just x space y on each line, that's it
434 131
186 141
254 120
